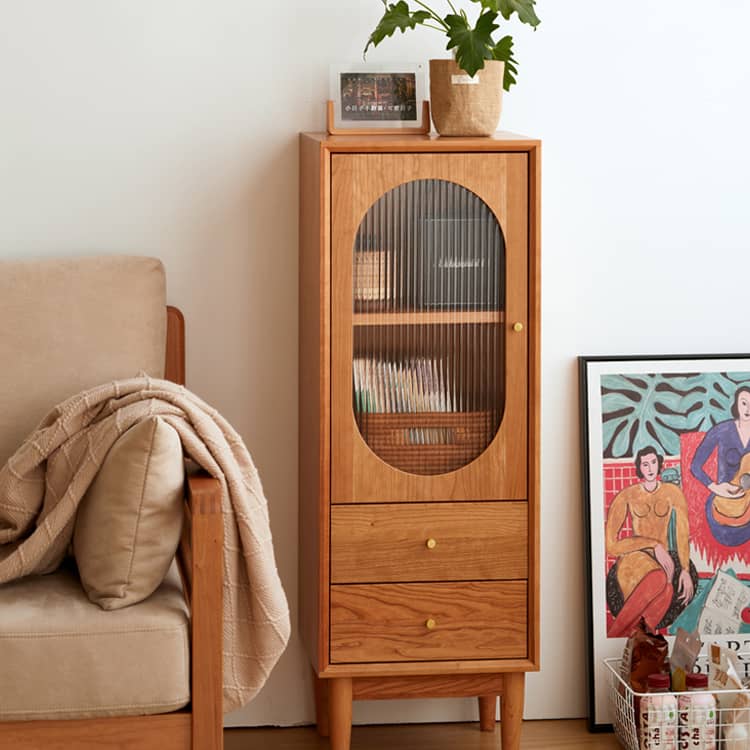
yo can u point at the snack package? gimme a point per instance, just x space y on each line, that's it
723 674
645 653
687 647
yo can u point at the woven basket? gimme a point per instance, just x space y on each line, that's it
428 442
462 105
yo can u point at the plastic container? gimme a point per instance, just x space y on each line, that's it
696 711
658 715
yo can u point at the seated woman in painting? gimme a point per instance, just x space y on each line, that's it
728 504
648 581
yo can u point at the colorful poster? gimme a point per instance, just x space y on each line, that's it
667 480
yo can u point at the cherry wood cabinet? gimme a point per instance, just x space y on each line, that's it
419 421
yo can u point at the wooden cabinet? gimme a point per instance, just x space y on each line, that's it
419 421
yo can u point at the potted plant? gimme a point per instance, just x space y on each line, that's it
465 92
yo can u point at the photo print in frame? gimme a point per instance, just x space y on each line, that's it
387 97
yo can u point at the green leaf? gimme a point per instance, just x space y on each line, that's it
524 8
503 50
397 16
655 409
472 46
488 5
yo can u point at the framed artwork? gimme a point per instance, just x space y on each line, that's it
376 97
666 480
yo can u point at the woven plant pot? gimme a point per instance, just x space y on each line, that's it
462 105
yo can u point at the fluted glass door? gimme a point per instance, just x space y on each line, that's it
428 274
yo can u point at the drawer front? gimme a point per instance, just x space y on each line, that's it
429 542
428 621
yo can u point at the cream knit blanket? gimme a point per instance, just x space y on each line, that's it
44 481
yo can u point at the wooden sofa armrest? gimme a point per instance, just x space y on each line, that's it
202 562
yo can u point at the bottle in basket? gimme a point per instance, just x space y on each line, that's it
658 715
697 715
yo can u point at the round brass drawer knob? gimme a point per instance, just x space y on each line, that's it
431 543
518 327
430 624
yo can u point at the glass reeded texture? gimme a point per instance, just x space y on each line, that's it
428 368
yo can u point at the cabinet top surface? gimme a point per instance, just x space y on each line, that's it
499 141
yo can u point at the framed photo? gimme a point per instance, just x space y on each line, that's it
382 97
666 480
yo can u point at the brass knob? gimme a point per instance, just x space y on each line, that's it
431 543
518 327
430 624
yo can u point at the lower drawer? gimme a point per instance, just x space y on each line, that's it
428 621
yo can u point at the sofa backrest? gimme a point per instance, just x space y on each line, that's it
70 324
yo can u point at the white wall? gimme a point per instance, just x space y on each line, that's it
169 127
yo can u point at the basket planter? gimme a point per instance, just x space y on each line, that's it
465 105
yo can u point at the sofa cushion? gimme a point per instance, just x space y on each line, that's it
63 657
129 521
70 324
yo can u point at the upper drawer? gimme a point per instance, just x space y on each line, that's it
429 542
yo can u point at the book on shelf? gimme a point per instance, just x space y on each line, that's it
413 386
372 274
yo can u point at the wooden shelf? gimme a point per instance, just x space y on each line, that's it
459 317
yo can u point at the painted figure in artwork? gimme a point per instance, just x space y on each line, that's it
728 502
648 580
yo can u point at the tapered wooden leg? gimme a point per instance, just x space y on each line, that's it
321 704
511 710
487 712
340 712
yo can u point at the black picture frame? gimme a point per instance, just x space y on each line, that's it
676 401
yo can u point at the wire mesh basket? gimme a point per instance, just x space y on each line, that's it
624 703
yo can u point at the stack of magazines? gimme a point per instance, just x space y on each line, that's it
396 387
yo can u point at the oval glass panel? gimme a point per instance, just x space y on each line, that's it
428 367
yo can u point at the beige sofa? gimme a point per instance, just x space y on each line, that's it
73 674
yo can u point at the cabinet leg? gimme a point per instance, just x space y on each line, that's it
487 712
511 710
321 705
340 712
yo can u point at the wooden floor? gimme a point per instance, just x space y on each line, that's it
537 735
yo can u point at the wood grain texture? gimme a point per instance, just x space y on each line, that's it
511 710
314 399
340 712
416 668
569 734
160 732
388 543
358 180
174 365
207 631
389 622
340 177
321 705
500 141
534 375
487 712
428 686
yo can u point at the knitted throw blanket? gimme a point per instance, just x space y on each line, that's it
42 484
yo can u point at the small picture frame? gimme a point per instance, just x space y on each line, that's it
377 98
665 450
